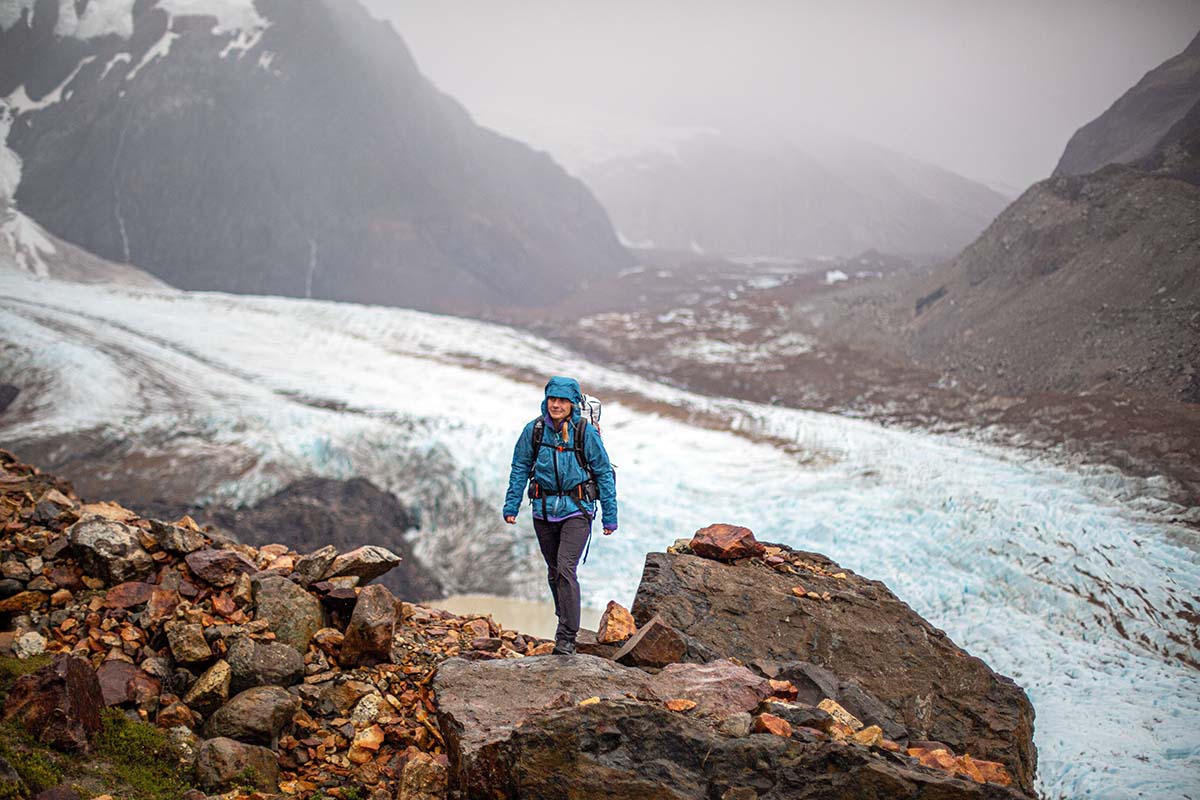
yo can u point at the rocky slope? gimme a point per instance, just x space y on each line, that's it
286 674
287 148
758 195
1137 123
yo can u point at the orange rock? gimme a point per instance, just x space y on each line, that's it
591 701
108 510
799 591
223 604
784 689
890 746
840 714
769 723
478 628
21 602
966 766
616 624
725 542
681 704
993 772
870 737
936 759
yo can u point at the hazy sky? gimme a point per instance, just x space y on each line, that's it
989 88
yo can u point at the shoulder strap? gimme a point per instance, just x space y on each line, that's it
539 430
580 432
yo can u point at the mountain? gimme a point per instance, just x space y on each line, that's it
757 194
1138 122
287 147
1086 282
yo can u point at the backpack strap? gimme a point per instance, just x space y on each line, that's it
580 456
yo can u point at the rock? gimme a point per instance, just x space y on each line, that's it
122 682
840 714
292 613
175 538
255 663
128 595
22 603
736 724
187 642
725 542
865 635
59 704
256 715
312 567
799 715
161 605
62 792
680 705
813 683
423 778
623 748
616 624
769 723
108 549
870 737
211 689
369 634
480 703
29 644
365 563
176 715
223 764
185 745
719 688
343 696
219 567
366 710
9 587
656 644
365 743
586 644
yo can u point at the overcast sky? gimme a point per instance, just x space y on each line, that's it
988 88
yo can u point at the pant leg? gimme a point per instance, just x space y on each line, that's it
571 541
548 536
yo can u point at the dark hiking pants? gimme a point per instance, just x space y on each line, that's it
562 544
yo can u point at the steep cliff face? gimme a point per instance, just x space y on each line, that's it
1137 123
287 148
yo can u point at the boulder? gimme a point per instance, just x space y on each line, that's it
424 777
312 567
22 603
365 563
616 624
587 644
725 542
187 642
223 764
368 637
255 663
108 549
291 612
656 644
211 689
256 715
59 704
719 688
176 538
863 634
122 682
623 748
219 567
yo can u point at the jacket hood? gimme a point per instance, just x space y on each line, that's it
567 388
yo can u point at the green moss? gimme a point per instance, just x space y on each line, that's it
140 757
37 768
13 668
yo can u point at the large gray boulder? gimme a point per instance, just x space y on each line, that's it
109 550
255 663
365 563
863 634
291 613
257 715
223 764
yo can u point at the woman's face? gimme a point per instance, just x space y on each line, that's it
559 408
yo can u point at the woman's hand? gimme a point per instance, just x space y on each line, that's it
609 531
511 520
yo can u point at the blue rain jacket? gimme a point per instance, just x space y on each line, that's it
559 470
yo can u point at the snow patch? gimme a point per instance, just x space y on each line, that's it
243 43
11 11
233 16
161 49
835 276
10 162
112 62
20 102
264 60
24 241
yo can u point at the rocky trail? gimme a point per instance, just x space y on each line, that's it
276 674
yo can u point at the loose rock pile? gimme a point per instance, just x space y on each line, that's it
283 674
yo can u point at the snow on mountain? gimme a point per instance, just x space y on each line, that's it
1066 580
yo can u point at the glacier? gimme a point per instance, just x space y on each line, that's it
1070 579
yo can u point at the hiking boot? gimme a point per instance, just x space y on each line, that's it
563 647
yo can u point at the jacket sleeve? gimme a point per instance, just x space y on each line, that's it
522 460
597 458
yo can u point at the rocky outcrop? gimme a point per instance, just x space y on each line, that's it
802 607
59 704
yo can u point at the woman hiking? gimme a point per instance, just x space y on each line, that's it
563 460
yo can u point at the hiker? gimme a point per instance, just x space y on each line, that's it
562 458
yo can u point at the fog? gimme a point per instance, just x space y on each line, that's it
991 90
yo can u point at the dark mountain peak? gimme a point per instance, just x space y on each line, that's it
287 147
